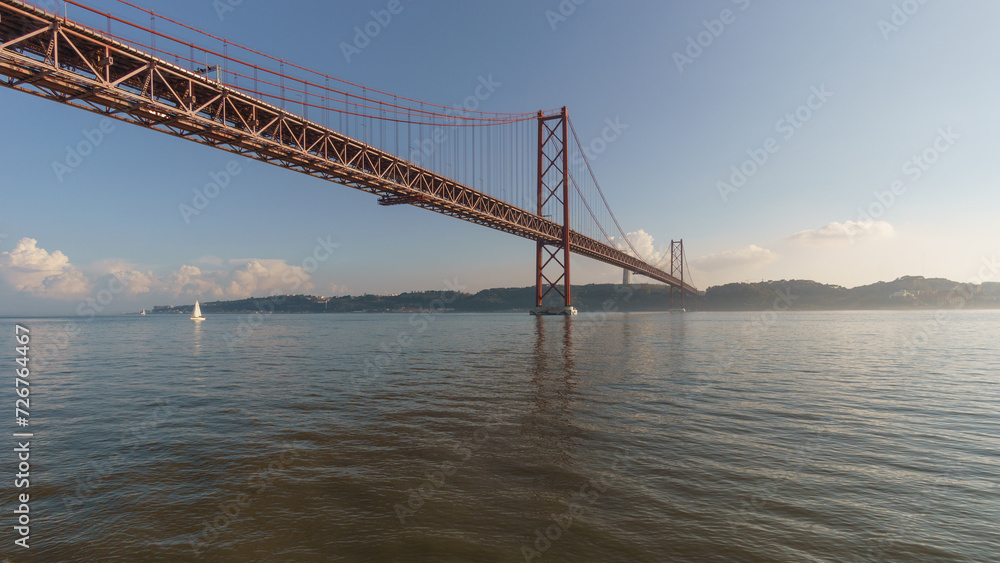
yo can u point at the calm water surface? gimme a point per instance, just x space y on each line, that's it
847 436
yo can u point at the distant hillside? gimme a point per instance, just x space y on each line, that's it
910 292
904 293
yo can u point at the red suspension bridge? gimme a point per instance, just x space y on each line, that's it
522 173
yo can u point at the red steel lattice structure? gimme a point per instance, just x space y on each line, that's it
553 190
58 59
677 270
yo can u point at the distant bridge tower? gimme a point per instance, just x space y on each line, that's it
552 258
626 277
677 271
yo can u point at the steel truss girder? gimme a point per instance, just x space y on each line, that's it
60 60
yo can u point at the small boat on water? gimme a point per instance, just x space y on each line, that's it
196 315
143 313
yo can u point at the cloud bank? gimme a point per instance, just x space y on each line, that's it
840 234
37 272
644 245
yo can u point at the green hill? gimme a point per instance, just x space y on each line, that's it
909 292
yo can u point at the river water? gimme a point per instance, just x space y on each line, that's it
793 436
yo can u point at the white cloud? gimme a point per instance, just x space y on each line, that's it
69 284
245 278
189 281
751 256
839 234
266 277
134 281
38 272
644 245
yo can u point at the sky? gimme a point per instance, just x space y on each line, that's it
846 142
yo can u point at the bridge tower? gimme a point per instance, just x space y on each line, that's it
552 257
677 271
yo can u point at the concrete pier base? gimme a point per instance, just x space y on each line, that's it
554 311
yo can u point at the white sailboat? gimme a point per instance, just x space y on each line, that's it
143 313
196 315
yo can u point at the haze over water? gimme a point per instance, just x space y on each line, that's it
642 437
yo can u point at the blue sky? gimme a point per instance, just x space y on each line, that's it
840 97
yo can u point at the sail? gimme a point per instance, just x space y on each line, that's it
197 311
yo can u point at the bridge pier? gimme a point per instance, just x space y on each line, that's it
557 310
677 270
552 257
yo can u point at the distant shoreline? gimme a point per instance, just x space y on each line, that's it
526 311
510 312
911 293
